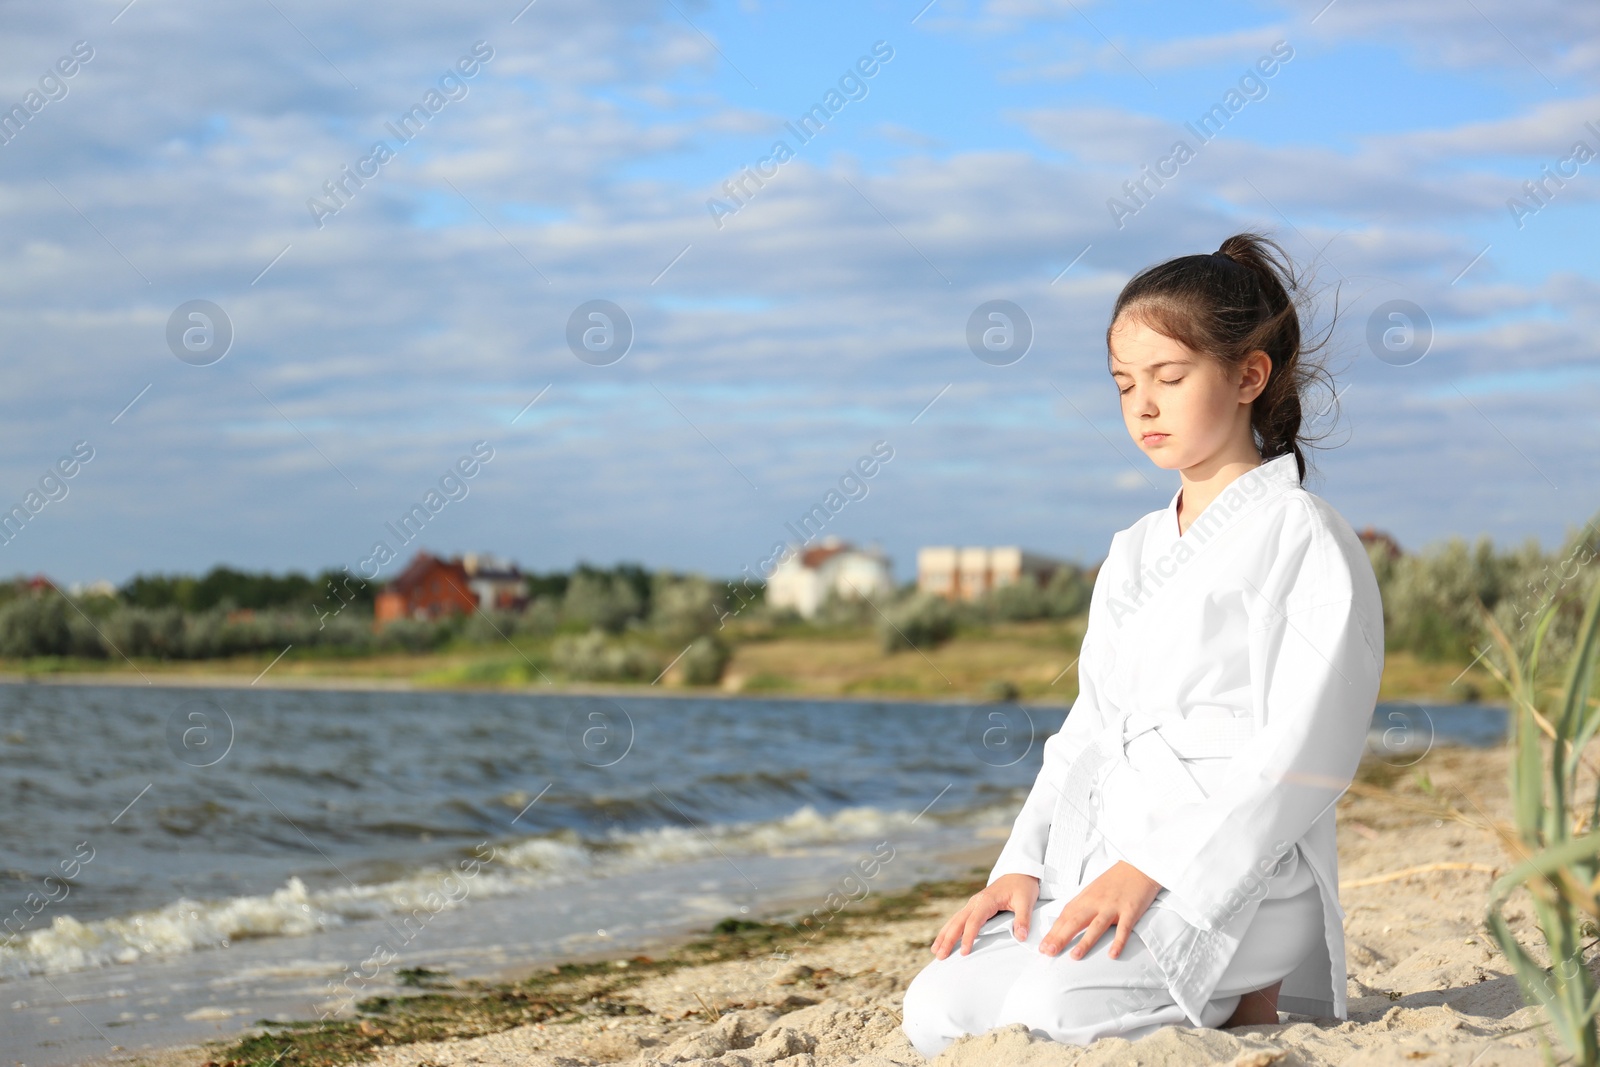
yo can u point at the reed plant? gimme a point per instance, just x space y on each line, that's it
1552 839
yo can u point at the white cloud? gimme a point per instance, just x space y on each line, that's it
409 325
1536 43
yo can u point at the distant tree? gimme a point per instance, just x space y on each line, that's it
158 590
603 599
353 590
244 589
638 579
227 587
1064 595
44 625
703 661
685 608
596 656
552 585
922 620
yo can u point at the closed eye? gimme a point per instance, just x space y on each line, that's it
1164 381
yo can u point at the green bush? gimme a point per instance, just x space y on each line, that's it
1430 597
705 660
411 635
684 608
46 625
920 621
541 617
846 612
147 633
490 628
602 601
607 600
1066 594
597 657
1000 691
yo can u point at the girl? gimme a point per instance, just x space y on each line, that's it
1227 680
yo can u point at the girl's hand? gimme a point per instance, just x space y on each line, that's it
1118 897
1010 892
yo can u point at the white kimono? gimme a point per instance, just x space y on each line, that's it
1226 685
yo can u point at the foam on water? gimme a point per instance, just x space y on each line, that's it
294 910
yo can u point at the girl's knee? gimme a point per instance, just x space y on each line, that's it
1081 1003
954 996
926 1013
917 996
959 994
1054 1010
936 993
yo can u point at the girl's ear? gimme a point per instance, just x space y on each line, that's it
1253 374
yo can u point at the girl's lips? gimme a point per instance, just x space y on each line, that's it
1153 438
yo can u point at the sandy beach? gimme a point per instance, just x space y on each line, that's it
1425 982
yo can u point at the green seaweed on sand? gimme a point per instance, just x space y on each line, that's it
560 994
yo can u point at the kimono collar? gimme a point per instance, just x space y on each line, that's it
1156 561
1273 475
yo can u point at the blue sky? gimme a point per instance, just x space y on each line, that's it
576 163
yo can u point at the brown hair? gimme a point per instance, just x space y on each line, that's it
1242 297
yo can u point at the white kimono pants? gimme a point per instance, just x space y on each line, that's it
1003 980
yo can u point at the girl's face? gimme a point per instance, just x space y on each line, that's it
1183 408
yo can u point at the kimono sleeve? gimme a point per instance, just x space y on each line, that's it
1025 848
1315 647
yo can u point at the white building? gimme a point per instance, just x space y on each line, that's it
969 573
804 580
98 587
497 583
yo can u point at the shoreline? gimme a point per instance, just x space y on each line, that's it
1425 983
166 678
567 984
380 685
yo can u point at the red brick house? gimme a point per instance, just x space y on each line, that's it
429 588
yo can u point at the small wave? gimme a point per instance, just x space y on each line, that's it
294 910
187 925
620 851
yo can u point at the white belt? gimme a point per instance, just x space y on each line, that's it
1161 746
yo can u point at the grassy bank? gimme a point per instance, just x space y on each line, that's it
1034 661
